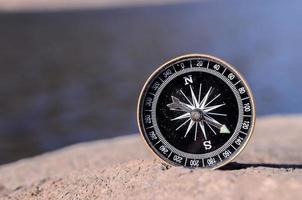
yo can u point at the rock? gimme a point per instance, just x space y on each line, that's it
122 168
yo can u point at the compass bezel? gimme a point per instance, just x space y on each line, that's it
209 58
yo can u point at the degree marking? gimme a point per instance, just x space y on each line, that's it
150 127
174 69
237 82
245 98
219 158
243 133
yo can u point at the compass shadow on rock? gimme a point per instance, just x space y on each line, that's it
238 166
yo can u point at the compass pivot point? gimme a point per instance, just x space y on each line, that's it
197 115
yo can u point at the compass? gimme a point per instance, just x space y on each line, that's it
196 111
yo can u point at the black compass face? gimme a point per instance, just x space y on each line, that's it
196 111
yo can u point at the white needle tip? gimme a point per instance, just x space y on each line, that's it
224 129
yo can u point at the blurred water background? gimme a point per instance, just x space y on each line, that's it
75 75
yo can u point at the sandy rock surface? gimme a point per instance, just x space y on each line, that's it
122 168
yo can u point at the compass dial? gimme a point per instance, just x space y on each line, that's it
196 111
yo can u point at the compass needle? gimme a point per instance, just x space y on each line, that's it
212 121
196 111
179 106
224 129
